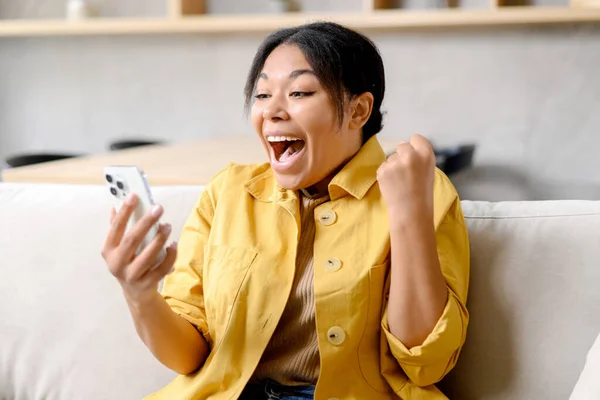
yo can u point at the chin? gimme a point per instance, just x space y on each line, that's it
291 182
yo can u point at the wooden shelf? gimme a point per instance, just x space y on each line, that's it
366 21
179 8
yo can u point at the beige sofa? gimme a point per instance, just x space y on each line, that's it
65 332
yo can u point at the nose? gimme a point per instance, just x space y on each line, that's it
275 110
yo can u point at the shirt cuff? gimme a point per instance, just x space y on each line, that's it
196 319
447 337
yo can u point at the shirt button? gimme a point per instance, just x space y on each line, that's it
332 265
336 335
327 217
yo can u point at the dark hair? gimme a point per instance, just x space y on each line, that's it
345 62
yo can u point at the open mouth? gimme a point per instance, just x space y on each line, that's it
285 148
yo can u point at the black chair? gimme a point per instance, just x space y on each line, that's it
21 160
130 143
454 159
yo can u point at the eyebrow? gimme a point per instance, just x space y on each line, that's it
294 74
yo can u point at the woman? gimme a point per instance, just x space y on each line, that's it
329 271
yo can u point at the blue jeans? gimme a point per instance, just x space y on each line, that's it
270 390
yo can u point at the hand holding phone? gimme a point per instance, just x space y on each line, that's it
123 181
135 245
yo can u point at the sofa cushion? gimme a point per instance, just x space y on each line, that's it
65 331
533 299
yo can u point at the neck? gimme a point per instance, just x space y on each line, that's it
322 187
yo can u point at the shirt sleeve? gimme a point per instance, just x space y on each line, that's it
428 363
183 288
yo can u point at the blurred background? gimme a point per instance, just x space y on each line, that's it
526 94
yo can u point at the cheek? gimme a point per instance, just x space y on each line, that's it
256 117
316 119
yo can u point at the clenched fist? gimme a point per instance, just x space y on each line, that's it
406 178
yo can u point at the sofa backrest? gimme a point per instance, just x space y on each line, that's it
65 332
534 299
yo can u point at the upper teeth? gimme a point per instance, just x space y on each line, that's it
281 139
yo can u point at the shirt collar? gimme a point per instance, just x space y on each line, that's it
355 178
360 173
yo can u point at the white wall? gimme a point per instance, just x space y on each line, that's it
529 96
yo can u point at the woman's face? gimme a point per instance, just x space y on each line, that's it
296 120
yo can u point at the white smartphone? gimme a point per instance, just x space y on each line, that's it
123 180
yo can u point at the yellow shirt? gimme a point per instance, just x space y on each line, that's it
235 270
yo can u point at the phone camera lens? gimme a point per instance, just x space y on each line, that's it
113 191
109 178
120 185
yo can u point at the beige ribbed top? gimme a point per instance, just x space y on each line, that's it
292 355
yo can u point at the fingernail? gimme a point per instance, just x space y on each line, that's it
166 229
157 211
173 245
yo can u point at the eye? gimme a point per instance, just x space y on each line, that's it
261 96
298 95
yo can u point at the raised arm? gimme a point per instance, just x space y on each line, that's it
426 319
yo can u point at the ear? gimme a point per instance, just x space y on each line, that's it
360 111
